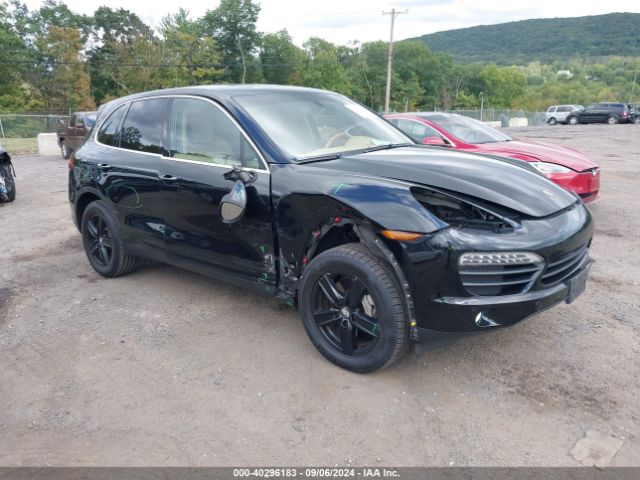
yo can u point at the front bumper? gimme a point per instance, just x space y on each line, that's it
490 313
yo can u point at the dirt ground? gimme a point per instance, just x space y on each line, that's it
166 367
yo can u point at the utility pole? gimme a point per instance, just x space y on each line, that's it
387 96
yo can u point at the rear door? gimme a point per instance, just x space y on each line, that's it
205 144
127 165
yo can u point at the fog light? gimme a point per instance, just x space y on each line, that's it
499 258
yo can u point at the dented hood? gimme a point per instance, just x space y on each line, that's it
493 180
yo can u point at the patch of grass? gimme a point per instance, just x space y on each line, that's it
19 145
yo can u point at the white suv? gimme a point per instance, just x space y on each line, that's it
558 113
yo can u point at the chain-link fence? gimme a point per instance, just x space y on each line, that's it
504 116
14 125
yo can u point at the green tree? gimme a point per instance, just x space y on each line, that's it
281 59
322 67
233 25
194 56
15 59
112 31
66 84
503 85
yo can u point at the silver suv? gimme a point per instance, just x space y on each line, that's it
559 113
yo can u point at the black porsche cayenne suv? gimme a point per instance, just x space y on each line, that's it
308 196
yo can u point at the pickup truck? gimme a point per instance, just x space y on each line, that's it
71 133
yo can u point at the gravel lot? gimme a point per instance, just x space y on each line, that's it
166 367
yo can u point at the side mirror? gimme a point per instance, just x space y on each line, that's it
434 141
234 204
239 173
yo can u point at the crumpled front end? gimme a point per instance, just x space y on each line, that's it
466 279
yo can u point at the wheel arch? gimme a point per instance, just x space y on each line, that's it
334 224
84 198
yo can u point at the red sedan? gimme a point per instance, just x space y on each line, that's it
565 166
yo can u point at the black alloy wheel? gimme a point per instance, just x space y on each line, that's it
345 314
352 309
102 242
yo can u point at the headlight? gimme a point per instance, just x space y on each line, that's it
546 168
460 213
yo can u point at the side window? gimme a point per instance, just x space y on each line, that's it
564 109
108 133
142 129
201 131
551 110
416 130
72 121
80 121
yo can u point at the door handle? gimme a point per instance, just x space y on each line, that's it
168 178
103 166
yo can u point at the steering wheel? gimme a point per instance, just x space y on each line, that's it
335 139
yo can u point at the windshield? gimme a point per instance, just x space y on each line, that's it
315 124
91 119
467 129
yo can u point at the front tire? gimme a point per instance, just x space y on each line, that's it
64 149
103 243
352 309
9 182
552 121
636 120
572 120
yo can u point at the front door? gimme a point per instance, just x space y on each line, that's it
205 145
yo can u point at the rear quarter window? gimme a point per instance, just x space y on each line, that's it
110 128
143 127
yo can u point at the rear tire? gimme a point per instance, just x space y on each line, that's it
612 120
573 120
552 121
103 243
9 182
64 149
361 324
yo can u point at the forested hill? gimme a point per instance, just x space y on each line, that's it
544 40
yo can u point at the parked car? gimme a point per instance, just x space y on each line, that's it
565 166
308 196
634 114
7 177
611 113
559 113
74 131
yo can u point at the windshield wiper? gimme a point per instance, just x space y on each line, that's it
387 146
320 158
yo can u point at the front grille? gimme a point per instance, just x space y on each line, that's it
498 279
564 266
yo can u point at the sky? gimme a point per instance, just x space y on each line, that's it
341 21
